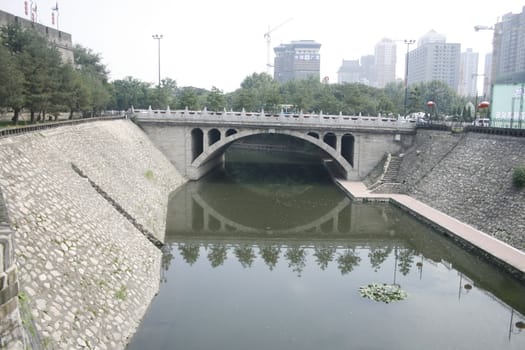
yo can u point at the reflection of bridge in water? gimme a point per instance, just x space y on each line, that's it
191 211
206 218
347 234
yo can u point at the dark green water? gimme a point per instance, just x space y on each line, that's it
272 256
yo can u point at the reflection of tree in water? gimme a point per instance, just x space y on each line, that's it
189 252
165 262
217 254
406 258
296 256
270 255
245 255
296 259
347 261
324 255
378 256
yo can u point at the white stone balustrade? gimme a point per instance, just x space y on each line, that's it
283 119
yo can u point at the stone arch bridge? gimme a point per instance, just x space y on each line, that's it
195 141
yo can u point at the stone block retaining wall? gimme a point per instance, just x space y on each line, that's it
86 272
469 176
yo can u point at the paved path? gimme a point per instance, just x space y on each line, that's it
488 244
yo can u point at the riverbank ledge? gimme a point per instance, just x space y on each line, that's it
87 207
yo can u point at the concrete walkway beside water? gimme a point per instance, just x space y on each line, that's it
503 254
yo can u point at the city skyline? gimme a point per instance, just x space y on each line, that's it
209 44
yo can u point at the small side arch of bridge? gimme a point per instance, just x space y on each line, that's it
210 143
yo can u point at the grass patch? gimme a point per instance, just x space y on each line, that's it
149 175
518 177
122 293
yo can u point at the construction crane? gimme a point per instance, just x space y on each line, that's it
269 42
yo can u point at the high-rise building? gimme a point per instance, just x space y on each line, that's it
434 59
385 62
468 73
357 71
298 60
508 52
349 72
368 73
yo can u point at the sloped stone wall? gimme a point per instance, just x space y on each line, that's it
469 176
86 272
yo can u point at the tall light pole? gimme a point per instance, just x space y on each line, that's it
158 37
475 75
408 42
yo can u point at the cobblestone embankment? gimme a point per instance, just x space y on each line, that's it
469 176
86 271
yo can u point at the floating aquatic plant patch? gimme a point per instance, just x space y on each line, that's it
383 292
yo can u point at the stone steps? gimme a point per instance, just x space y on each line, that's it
391 174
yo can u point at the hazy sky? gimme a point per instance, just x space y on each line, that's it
219 42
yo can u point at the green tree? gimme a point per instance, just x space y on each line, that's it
130 92
12 78
443 96
95 78
98 95
188 98
258 91
89 62
39 62
73 94
414 103
395 93
215 100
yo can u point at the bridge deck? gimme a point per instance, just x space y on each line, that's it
497 251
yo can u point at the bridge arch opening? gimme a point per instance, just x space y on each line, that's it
197 217
326 149
197 146
344 219
347 148
284 143
328 226
214 135
213 223
330 139
313 134
230 132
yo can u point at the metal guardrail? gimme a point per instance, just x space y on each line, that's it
493 130
13 131
433 126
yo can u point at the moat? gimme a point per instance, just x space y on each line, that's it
268 254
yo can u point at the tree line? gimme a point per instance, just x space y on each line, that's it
36 80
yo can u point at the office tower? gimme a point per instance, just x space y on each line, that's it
434 59
508 53
297 60
468 74
385 62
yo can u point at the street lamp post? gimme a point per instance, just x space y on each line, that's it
408 42
158 38
475 75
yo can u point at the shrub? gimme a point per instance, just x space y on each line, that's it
518 177
149 175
